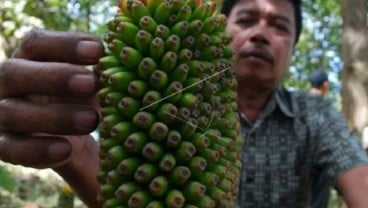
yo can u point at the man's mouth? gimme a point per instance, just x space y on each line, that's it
257 54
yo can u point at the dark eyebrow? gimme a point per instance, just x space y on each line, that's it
247 11
252 12
280 17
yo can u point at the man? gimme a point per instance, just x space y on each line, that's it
282 151
321 189
319 82
289 137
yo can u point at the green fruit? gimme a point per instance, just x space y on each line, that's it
128 166
148 24
175 199
159 186
135 142
170 128
139 199
129 30
167 162
143 41
126 190
163 12
152 151
146 67
173 139
194 190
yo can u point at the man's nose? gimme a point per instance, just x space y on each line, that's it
260 34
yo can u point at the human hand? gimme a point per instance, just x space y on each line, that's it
47 95
45 92
48 107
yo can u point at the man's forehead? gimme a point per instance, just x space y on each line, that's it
278 7
284 5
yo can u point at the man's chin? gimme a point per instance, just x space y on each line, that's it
256 80
253 75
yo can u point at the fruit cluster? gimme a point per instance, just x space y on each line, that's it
170 128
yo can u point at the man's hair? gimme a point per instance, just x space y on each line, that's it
317 78
229 4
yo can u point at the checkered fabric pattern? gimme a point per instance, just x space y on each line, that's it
297 137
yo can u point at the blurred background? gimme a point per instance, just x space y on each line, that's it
334 38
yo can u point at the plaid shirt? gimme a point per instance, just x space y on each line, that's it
297 138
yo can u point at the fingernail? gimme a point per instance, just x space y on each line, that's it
82 84
86 121
59 151
88 50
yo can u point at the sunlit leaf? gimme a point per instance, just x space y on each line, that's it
7 181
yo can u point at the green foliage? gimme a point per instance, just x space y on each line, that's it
33 187
334 200
53 13
14 23
7 181
19 17
318 47
66 197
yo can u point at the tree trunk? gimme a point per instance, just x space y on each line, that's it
355 70
2 51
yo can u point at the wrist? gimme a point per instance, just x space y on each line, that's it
81 168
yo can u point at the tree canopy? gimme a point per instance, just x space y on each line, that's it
318 48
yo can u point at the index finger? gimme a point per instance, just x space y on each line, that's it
71 47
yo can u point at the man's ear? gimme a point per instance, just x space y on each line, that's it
326 87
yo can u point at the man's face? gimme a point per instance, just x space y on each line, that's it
263 40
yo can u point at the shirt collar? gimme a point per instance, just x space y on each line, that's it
281 99
284 101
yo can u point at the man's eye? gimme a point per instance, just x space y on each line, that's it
281 27
245 21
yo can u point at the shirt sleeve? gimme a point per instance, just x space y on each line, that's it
365 138
337 149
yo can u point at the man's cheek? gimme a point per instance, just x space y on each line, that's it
235 45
